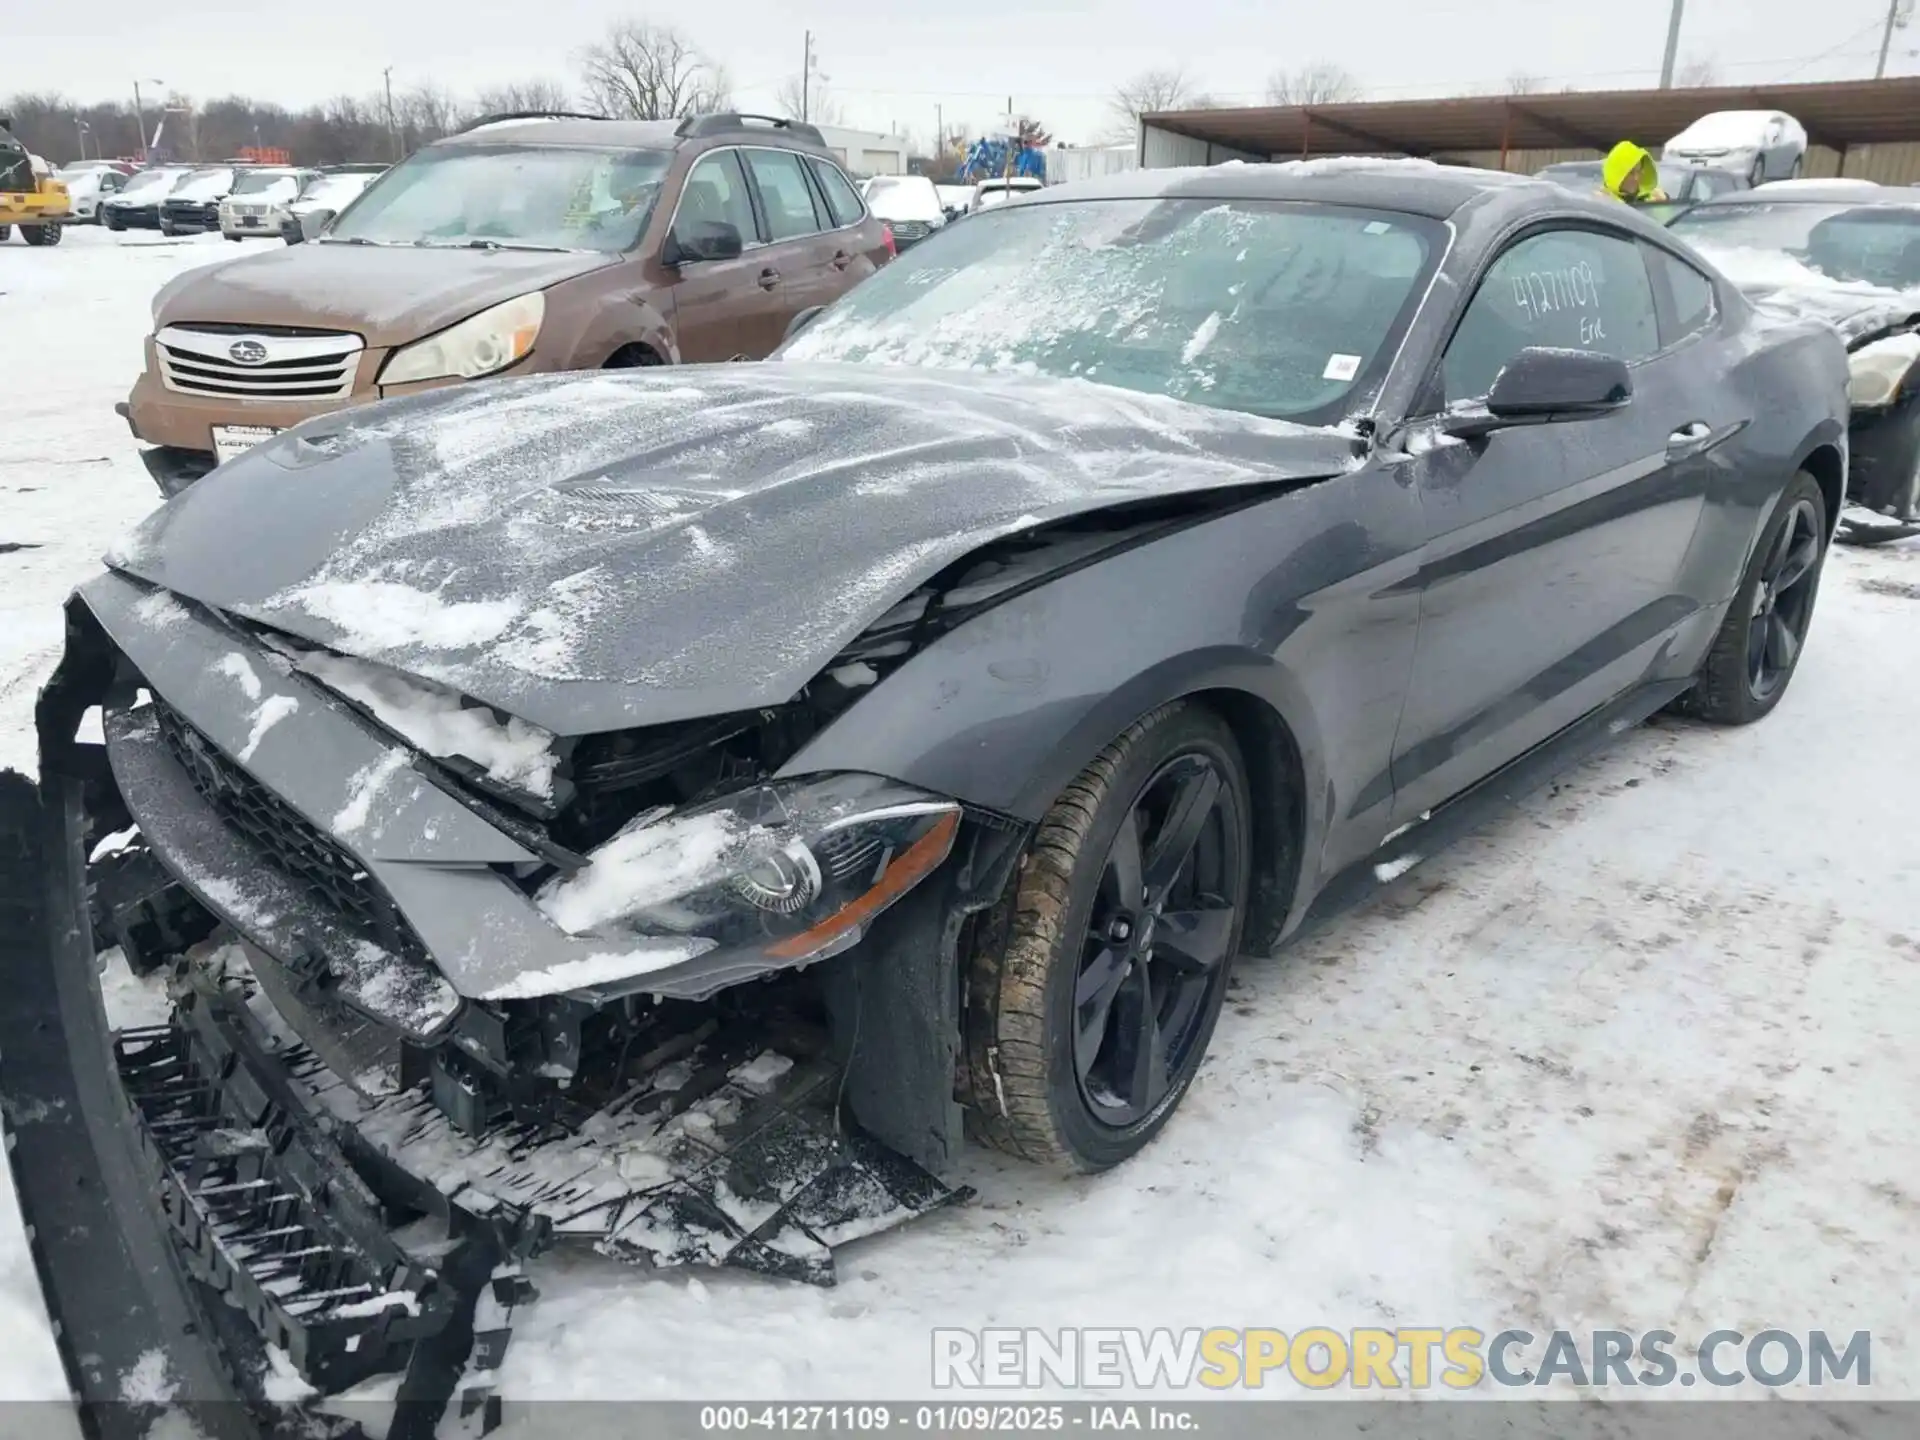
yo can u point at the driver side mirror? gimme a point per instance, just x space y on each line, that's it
698 240
1540 385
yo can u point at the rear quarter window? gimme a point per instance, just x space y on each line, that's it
843 201
1690 296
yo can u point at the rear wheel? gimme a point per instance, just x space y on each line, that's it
1758 174
40 234
1760 641
1091 999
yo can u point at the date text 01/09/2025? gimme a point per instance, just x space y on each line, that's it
943 1419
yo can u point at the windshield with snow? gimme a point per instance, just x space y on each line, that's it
1878 244
334 191
540 197
266 183
153 183
204 185
903 197
1274 309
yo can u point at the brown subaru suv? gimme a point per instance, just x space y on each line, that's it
522 244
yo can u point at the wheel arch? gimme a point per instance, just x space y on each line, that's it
1824 461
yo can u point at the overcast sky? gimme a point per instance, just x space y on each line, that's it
891 66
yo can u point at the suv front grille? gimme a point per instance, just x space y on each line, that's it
318 366
289 841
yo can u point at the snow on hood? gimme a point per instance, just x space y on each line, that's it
1781 285
591 552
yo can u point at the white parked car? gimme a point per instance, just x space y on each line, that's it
324 196
1001 190
909 204
254 205
88 187
1760 144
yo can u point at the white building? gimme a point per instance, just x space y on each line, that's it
867 152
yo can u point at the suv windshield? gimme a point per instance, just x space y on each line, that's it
335 190
204 185
1879 244
1272 308
542 197
260 182
903 197
160 182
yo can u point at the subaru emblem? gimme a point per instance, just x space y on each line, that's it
247 352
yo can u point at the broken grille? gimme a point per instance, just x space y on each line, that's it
302 367
266 1212
289 841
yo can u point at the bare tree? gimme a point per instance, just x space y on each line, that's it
426 113
1168 88
1698 73
651 72
816 104
519 96
1320 83
1521 83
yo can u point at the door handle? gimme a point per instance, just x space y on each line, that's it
769 278
841 259
1688 439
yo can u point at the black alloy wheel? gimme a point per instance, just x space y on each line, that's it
1783 602
1092 990
1155 953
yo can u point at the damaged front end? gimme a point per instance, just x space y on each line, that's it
427 1021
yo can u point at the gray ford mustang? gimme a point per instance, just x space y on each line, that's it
665 810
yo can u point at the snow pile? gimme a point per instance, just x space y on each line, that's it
367 783
653 861
149 1382
387 615
439 721
603 968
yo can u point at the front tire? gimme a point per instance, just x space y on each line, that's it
1760 641
40 234
1093 991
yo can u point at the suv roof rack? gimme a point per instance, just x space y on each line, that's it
698 127
506 115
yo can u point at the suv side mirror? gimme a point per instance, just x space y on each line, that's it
698 240
1539 385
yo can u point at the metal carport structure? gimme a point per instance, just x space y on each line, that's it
1874 124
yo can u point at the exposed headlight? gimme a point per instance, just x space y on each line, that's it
790 871
1877 370
479 345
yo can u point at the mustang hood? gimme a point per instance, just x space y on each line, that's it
387 294
1782 286
631 548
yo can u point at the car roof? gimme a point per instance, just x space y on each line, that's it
1819 192
1416 187
574 130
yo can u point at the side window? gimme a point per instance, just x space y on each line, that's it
843 201
1564 289
1689 290
716 191
784 193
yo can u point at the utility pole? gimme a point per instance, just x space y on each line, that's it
1673 44
939 132
1899 12
80 129
806 74
393 130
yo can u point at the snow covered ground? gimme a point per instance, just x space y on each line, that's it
1638 1056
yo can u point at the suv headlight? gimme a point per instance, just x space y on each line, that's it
1875 371
788 871
478 345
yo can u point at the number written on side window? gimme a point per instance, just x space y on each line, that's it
1560 289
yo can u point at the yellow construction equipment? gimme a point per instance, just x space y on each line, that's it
30 196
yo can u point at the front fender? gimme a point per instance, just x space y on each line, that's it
1004 711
